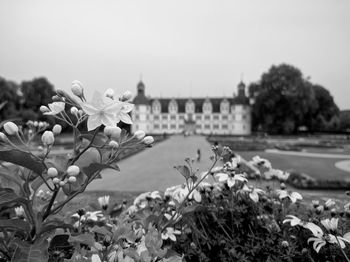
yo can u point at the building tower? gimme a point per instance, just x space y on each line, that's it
140 114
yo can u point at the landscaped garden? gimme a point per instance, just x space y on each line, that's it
236 210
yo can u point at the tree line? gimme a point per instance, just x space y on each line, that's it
285 102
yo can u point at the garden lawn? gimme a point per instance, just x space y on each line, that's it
319 168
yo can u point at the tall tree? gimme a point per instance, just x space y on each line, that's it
283 99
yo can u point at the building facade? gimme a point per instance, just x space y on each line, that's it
223 116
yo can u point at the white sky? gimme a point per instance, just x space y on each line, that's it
181 48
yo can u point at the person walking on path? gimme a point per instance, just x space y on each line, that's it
198 155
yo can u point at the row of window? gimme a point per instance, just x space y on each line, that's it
206 126
198 117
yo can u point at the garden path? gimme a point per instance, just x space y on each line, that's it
152 169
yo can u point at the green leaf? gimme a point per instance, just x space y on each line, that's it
52 225
15 225
154 242
96 168
22 159
101 230
86 239
31 252
9 197
184 170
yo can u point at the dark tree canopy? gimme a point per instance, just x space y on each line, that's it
285 101
9 99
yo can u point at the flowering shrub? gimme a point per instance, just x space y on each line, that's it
218 215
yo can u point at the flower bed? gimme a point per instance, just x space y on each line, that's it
216 215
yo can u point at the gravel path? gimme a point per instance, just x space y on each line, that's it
152 169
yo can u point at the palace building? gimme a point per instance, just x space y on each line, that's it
209 115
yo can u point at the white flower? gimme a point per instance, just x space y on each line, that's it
105 111
294 196
258 161
195 195
177 193
330 224
174 215
321 240
11 128
254 194
113 144
293 220
170 233
55 108
231 180
19 212
142 200
329 203
103 202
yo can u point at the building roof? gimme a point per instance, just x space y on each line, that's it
198 103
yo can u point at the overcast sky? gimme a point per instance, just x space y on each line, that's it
180 47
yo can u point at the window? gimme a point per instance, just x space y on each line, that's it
173 117
156 117
216 117
181 126
198 117
224 127
224 117
137 117
198 126
244 116
207 126
156 126
207 117
164 126
164 117
172 126
216 126
181 117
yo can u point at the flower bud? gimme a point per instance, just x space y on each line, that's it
72 179
56 98
73 170
62 183
52 172
11 128
148 140
44 109
3 137
113 144
77 88
74 111
57 129
56 180
139 134
19 212
48 138
283 186
126 96
109 93
112 132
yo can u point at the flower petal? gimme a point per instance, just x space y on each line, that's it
89 109
93 122
108 119
124 117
